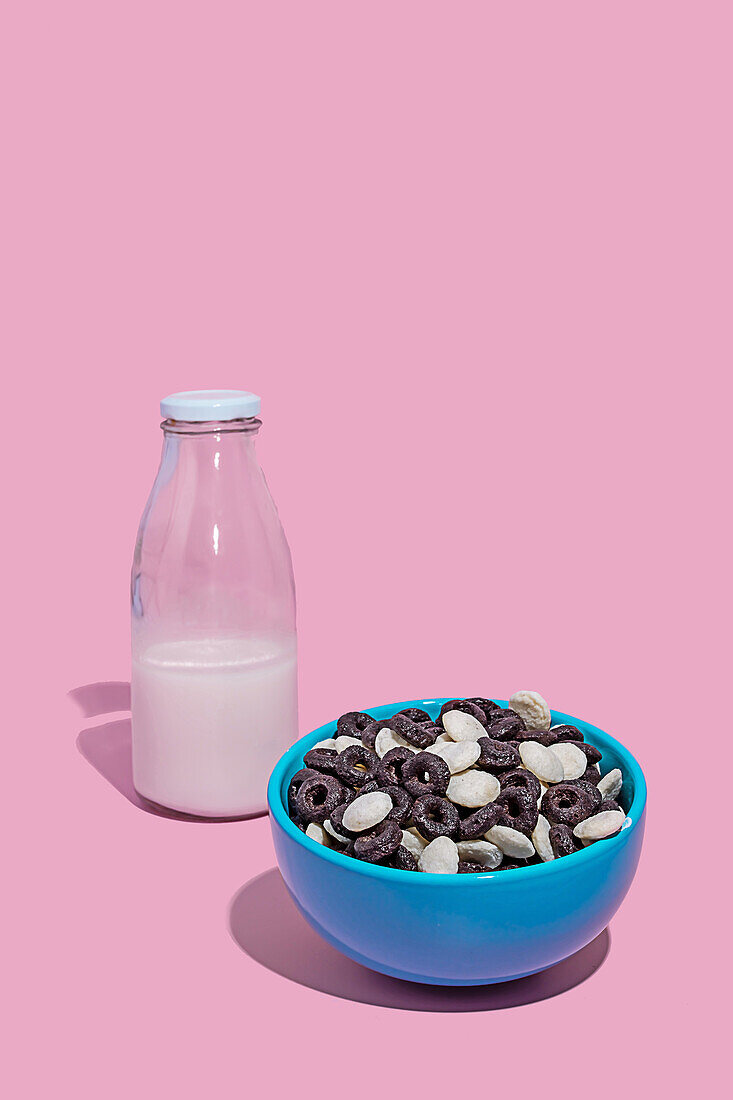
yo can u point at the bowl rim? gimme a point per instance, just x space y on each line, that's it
278 808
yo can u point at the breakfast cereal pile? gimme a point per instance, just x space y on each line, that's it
478 789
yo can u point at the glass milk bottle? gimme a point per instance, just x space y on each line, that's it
214 681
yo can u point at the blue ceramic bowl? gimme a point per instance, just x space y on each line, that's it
459 929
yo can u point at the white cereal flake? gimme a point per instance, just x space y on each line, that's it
472 788
387 739
366 811
530 706
458 755
414 843
343 741
480 851
512 843
541 761
610 785
318 833
601 825
574 762
440 857
462 727
541 839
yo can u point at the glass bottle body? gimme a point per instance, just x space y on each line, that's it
214 675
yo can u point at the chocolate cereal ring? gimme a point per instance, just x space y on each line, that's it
425 773
496 755
488 706
389 770
567 733
591 775
357 765
433 730
467 707
317 797
562 841
379 843
415 733
521 777
403 860
519 809
321 760
416 714
353 723
295 785
504 724
567 804
435 816
468 867
592 791
369 734
479 822
544 737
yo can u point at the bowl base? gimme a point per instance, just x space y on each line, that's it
404 975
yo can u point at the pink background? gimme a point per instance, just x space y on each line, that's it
476 258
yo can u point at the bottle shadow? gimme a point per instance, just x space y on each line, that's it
266 925
104 697
108 747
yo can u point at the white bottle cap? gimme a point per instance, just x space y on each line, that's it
199 405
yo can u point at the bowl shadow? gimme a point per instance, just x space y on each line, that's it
266 925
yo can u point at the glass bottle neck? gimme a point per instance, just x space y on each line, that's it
201 450
250 426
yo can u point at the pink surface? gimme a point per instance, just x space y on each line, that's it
475 259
